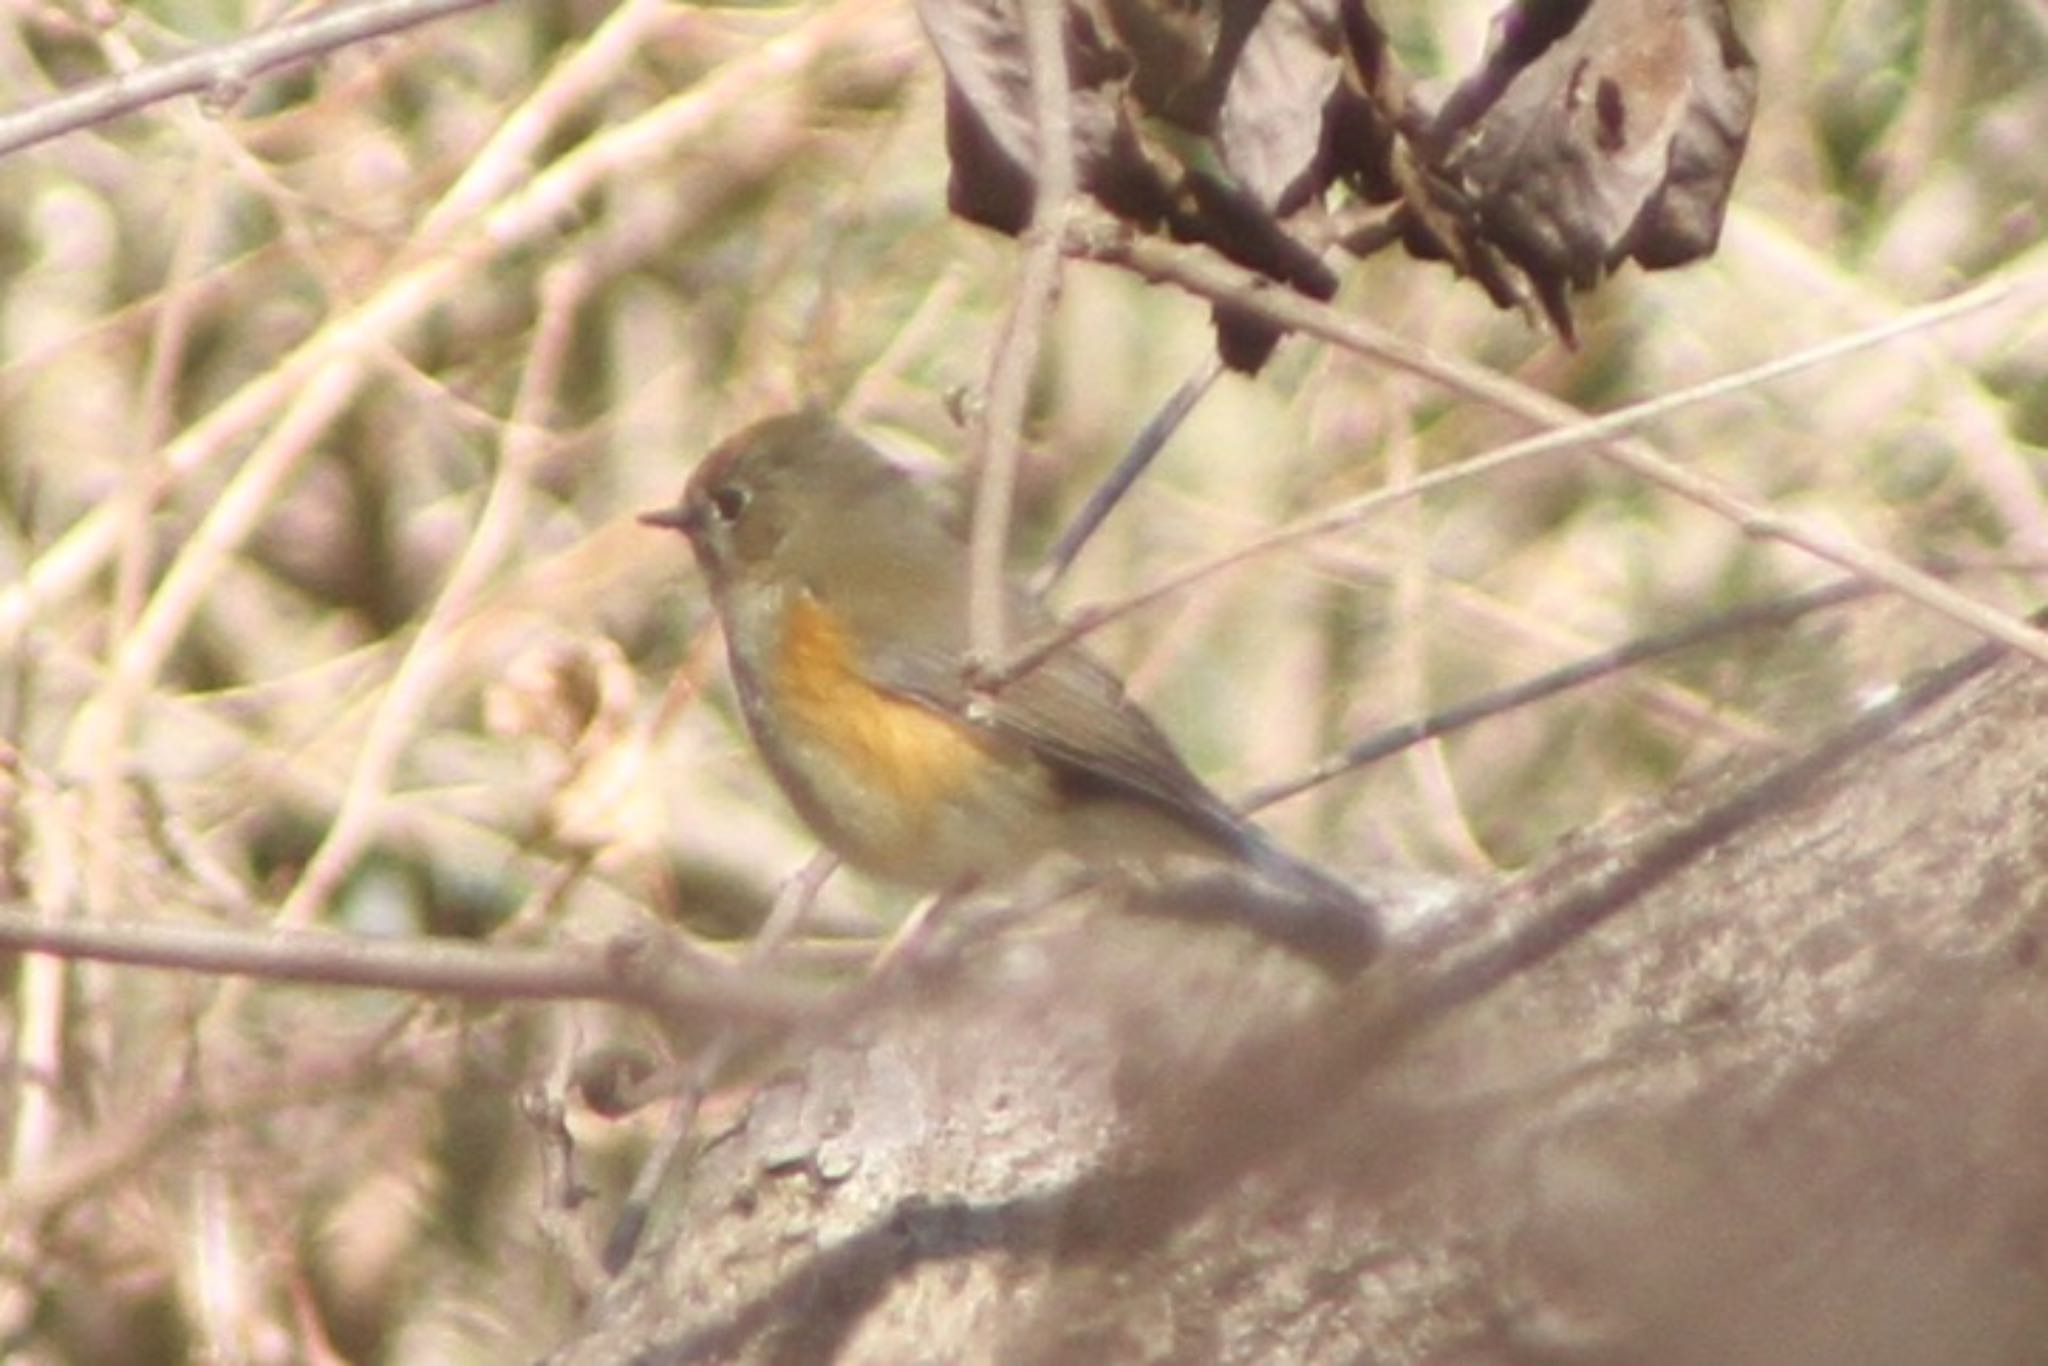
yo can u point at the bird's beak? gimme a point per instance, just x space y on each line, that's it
681 518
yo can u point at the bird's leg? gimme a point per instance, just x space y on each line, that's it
914 936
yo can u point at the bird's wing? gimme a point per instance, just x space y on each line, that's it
1072 711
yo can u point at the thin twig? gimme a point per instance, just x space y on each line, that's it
623 972
1471 972
592 70
218 71
42 995
534 212
1441 806
420 671
152 1120
1210 276
563 1190
1775 612
228 524
676 1130
792 902
939 304
1134 463
1686 710
1016 354
121 694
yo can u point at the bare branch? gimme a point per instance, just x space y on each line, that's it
1203 273
420 671
623 972
534 210
1016 355
219 71
1780 611
1144 449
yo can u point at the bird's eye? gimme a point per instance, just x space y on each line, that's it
729 501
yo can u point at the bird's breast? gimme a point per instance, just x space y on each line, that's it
907 751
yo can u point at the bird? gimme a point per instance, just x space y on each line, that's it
841 586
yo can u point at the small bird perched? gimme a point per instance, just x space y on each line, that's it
844 596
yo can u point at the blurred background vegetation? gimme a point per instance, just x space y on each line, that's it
324 415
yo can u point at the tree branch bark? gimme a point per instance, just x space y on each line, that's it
1753 1076
218 70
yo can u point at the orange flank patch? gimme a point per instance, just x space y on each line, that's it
908 749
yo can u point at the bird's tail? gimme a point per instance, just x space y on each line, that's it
1282 899
1311 909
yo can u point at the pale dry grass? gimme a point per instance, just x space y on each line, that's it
321 427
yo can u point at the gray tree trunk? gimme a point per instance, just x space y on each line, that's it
1758 1076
